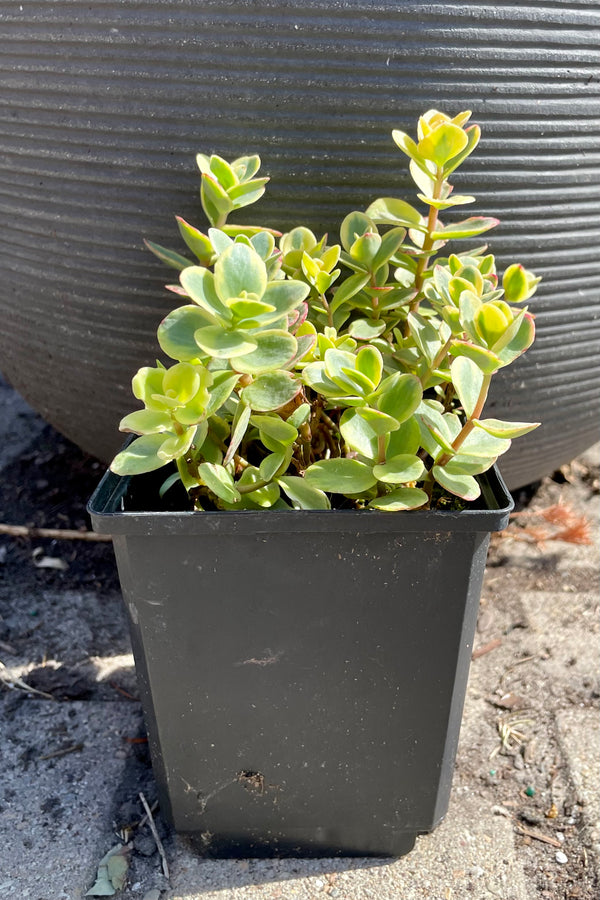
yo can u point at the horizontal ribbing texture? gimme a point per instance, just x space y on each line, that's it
105 103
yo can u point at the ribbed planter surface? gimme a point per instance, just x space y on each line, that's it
104 105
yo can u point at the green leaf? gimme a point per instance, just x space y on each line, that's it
276 428
358 434
198 243
400 499
425 336
479 443
303 495
369 362
139 456
300 415
175 260
247 193
272 464
199 283
391 241
487 361
341 476
500 429
176 445
220 391
168 483
240 271
146 421
245 167
274 349
399 395
285 296
391 211
515 282
464 486
473 133
219 240
271 391
467 228
354 226
215 200
348 289
520 342
461 464
467 379
176 332
366 329
400 469
380 422
263 243
239 426
408 146
443 143
406 439
219 481
222 344
454 200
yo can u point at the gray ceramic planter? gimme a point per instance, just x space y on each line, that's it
302 674
105 104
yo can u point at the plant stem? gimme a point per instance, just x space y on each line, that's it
469 424
428 242
439 359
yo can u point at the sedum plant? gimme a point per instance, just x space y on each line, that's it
307 373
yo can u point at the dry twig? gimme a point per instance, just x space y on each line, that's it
57 534
155 835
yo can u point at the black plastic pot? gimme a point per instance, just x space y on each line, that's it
302 673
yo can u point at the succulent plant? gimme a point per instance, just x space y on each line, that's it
308 374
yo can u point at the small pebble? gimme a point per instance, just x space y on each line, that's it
561 857
530 791
560 836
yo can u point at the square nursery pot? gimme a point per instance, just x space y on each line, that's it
302 673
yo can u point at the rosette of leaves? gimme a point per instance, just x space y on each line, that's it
357 371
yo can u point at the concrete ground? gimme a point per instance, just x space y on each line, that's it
524 821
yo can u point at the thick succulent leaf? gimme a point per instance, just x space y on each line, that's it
467 379
177 445
467 228
425 336
238 271
314 376
479 443
219 240
406 439
400 469
176 332
453 200
464 486
272 464
276 428
271 391
263 243
224 344
247 193
408 146
520 342
273 351
392 211
366 329
354 226
473 134
198 243
239 426
443 143
340 476
379 421
358 434
399 395
500 429
220 391
487 361
146 421
219 481
170 257
461 464
140 456
199 284
245 167
285 296
303 495
348 289
400 499
222 171
215 200
369 362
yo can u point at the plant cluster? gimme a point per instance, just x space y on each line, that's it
355 371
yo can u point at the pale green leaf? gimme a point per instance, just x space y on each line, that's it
400 499
464 486
274 349
139 456
271 391
302 494
400 469
341 476
467 379
239 271
500 429
219 481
